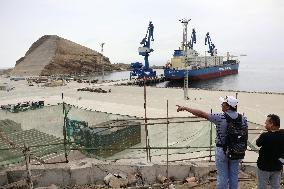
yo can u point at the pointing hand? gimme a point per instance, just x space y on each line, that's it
180 108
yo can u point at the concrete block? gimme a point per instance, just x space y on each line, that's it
115 182
3 178
58 176
16 175
202 171
101 170
148 174
82 174
177 171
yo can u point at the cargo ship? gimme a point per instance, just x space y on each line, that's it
186 62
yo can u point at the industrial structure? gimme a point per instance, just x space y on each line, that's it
137 68
187 63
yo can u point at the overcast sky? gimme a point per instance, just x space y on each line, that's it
252 27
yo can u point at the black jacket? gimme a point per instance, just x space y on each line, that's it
271 149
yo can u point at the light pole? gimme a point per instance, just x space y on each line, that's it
102 50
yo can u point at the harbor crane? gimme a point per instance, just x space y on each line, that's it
212 49
192 40
137 68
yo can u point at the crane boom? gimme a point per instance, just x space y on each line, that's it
193 39
211 46
145 50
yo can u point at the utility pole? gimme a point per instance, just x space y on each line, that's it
103 71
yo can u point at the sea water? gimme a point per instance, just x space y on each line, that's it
252 77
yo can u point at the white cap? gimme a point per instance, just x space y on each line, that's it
232 101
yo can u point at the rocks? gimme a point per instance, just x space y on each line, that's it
121 180
162 179
190 179
87 81
48 187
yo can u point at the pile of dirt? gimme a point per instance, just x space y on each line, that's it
53 55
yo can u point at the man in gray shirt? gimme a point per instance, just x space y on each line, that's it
227 169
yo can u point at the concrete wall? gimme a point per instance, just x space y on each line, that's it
3 178
86 172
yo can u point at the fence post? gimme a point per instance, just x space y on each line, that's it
210 156
64 131
146 128
26 152
168 139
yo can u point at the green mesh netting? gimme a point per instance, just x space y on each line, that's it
106 135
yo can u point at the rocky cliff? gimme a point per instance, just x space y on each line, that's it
53 55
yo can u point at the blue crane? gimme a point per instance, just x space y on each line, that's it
137 68
193 39
208 41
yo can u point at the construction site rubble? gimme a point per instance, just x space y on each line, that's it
96 90
53 186
190 179
162 179
37 80
54 83
121 180
23 106
87 81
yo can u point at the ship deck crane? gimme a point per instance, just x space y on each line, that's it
137 68
212 49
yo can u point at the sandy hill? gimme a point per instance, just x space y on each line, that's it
53 55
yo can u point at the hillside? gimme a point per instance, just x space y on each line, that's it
53 55
5 71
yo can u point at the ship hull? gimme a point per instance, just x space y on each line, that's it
202 73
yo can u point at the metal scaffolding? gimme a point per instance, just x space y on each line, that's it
92 122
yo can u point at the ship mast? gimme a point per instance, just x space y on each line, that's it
184 44
184 49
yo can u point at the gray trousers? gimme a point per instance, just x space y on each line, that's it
271 177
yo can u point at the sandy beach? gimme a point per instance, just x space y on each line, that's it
129 100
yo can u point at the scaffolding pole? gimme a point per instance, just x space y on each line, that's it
145 121
26 152
210 143
167 139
